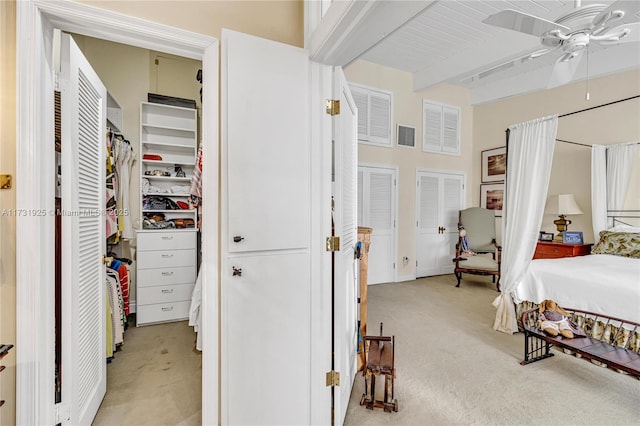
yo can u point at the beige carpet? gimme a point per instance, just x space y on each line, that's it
155 379
453 368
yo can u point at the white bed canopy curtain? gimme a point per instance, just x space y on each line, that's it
598 189
611 169
530 149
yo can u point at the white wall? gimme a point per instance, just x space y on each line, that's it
407 109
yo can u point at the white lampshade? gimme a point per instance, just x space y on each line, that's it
563 204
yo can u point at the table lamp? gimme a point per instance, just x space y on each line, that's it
562 205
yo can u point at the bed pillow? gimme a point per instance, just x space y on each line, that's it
625 244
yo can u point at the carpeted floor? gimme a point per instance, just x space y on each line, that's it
453 368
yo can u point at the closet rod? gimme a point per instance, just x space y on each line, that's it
599 106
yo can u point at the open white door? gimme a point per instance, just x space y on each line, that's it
83 371
345 293
266 278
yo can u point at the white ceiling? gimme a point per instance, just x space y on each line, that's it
446 41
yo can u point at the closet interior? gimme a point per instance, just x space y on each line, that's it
151 189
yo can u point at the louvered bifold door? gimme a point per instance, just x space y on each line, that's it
346 206
83 328
381 218
427 223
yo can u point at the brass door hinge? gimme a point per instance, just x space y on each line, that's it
333 378
333 106
5 181
333 243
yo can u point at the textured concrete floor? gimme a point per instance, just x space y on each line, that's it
155 379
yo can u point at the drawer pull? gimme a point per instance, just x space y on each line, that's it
168 255
166 309
167 238
167 291
237 272
167 274
237 239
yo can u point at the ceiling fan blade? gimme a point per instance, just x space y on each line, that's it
630 9
524 23
629 33
564 69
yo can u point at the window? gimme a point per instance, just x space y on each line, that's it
441 128
374 114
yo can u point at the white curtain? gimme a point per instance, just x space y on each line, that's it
620 160
598 189
529 157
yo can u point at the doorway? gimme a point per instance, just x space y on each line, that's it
35 165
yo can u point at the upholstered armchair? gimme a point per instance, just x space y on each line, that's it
477 252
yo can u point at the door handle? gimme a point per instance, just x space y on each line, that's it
237 239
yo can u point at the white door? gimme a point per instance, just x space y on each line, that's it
439 198
266 199
83 328
377 210
345 135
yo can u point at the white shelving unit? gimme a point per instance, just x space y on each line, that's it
170 133
166 258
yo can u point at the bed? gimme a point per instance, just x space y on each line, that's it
606 281
603 283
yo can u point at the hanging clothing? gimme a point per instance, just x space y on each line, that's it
195 311
124 157
196 182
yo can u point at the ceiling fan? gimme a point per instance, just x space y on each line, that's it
570 34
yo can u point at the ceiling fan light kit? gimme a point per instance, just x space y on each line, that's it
572 33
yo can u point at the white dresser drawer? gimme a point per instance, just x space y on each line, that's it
161 240
165 293
166 258
164 276
162 312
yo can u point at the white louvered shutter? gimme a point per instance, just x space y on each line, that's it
450 130
432 127
380 118
361 99
374 114
83 242
441 128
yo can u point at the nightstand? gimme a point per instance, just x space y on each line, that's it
552 250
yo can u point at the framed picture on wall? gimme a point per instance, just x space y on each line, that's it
492 197
494 164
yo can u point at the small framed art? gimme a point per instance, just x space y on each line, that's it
494 164
572 237
546 236
492 197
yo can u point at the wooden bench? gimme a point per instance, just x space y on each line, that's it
611 341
